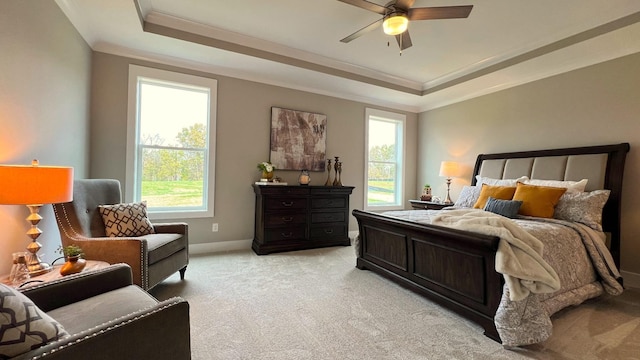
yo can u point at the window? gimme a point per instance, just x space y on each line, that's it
171 142
384 151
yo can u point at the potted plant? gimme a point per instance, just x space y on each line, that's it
75 263
426 193
267 170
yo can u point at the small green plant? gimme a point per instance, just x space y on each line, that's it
427 185
266 166
71 251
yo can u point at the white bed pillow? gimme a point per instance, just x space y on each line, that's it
571 186
468 196
582 207
498 182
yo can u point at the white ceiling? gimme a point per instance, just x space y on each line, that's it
295 43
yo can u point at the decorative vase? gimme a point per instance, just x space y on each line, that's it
267 175
74 265
336 164
328 182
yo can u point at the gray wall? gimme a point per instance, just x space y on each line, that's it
45 70
591 106
243 132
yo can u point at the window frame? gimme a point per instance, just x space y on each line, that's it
400 121
134 148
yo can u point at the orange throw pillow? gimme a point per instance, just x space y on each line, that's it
496 192
538 201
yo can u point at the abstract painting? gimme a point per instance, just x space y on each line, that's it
298 140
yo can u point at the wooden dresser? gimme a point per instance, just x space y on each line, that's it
300 217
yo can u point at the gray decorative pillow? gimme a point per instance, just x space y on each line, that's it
584 207
122 220
23 326
507 208
468 196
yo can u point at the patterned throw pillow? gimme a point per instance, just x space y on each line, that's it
585 208
23 326
122 220
468 196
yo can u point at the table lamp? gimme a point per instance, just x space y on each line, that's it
449 169
34 186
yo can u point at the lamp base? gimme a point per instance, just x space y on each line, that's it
34 264
39 269
448 200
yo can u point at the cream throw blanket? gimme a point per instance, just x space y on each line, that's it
519 256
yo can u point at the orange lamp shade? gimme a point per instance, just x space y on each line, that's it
31 185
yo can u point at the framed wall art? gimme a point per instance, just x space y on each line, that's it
298 140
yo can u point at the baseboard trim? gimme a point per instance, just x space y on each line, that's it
233 245
220 246
631 279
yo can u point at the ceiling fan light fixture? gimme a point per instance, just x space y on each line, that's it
395 24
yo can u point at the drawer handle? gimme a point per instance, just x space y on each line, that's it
287 219
286 235
328 231
287 203
329 217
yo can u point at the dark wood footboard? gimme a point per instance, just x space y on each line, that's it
452 267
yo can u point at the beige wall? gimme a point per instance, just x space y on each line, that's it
45 69
591 106
243 132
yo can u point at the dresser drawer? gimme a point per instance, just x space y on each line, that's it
327 231
324 203
286 233
326 217
277 203
284 219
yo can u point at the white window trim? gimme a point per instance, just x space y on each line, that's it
402 119
135 72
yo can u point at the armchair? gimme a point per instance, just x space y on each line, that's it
109 318
152 257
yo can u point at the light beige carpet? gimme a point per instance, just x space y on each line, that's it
315 304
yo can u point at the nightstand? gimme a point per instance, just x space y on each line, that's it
428 205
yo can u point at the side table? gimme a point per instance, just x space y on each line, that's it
428 205
55 274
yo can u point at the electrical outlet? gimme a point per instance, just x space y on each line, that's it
214 227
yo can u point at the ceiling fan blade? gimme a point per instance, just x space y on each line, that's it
367 6
439 12
406 40
362 31
404 4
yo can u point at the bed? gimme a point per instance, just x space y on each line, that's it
457 268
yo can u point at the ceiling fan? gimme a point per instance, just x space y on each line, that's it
396 16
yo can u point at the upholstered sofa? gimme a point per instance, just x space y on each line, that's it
106 316
152 257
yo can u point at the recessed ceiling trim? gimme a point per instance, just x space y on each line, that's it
175 33
543 50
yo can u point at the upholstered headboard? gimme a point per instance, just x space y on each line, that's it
603 166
